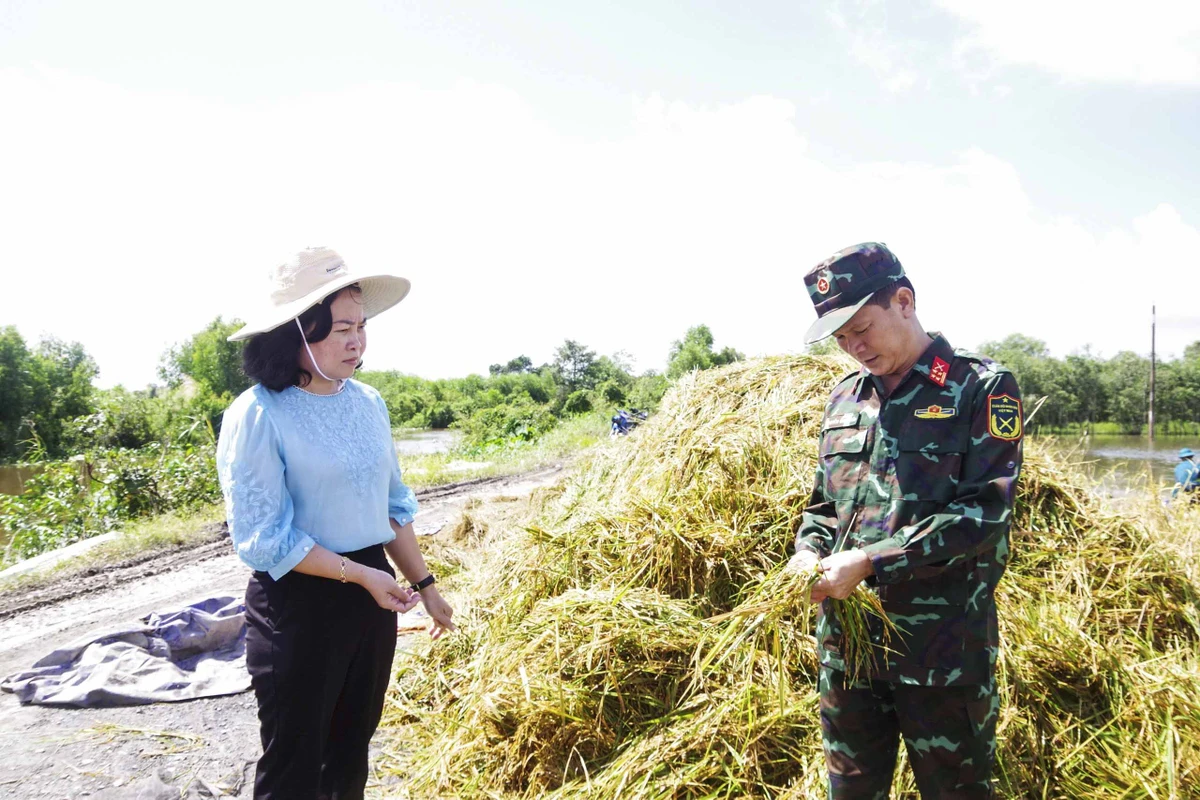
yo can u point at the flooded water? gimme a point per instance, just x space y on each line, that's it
424 443
1124 463
12 479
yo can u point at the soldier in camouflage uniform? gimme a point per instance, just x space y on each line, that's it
918 461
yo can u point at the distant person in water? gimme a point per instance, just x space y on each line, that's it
1187 476
316 504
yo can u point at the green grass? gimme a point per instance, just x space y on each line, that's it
568 438
138 538
167 531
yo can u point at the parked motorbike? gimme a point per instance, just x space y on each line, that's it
625 421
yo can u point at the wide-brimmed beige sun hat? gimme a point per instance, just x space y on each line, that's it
311 276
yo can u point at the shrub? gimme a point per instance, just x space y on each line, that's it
611 393
500 424
440 415
578 402
67 501
57 508
648 391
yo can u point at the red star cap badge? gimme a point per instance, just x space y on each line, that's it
939 371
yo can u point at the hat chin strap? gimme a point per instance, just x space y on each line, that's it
312 358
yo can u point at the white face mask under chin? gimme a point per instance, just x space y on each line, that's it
311 357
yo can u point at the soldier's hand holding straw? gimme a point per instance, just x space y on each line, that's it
841 573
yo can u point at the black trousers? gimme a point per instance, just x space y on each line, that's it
320 658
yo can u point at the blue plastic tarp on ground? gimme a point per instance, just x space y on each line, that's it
196 651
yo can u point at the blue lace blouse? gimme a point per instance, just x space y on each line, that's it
299 469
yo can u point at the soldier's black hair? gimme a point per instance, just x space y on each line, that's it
883 297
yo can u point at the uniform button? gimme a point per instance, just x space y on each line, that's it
307 547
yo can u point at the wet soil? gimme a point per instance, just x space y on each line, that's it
196 749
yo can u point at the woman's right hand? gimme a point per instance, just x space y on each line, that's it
388 593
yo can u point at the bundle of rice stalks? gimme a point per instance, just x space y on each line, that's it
786 592
621 643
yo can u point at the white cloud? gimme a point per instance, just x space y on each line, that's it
872 51
1148 42
132 219
869 43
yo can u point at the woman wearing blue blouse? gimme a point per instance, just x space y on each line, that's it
315 504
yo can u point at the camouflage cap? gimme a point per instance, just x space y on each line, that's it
842 284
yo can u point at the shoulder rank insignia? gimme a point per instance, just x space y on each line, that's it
1004 417
939 371
935 412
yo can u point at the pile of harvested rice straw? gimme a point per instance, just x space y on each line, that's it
602 652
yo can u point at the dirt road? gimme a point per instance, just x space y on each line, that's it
202 748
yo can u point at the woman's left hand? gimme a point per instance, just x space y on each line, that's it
439 611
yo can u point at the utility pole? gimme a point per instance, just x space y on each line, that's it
1152 359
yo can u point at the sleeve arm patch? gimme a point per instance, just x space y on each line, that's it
1005 419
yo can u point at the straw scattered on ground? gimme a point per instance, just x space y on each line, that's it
602 654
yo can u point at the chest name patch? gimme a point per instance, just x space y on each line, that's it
939 372
1004 417
935 412
842 420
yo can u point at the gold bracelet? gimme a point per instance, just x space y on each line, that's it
343 569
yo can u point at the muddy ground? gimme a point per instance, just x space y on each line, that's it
197 749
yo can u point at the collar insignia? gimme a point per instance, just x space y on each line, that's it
939 371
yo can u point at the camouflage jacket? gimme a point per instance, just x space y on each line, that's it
922 481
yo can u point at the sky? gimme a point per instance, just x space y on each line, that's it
612 173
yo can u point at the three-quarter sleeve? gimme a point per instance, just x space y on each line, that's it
402 503
258 507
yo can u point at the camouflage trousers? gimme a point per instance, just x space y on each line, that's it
950 734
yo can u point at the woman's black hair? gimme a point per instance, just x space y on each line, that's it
273 358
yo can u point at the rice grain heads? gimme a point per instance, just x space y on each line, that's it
597 655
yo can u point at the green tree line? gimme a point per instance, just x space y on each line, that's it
41 389
50 406
1083 390
51 409
520 400
103 456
